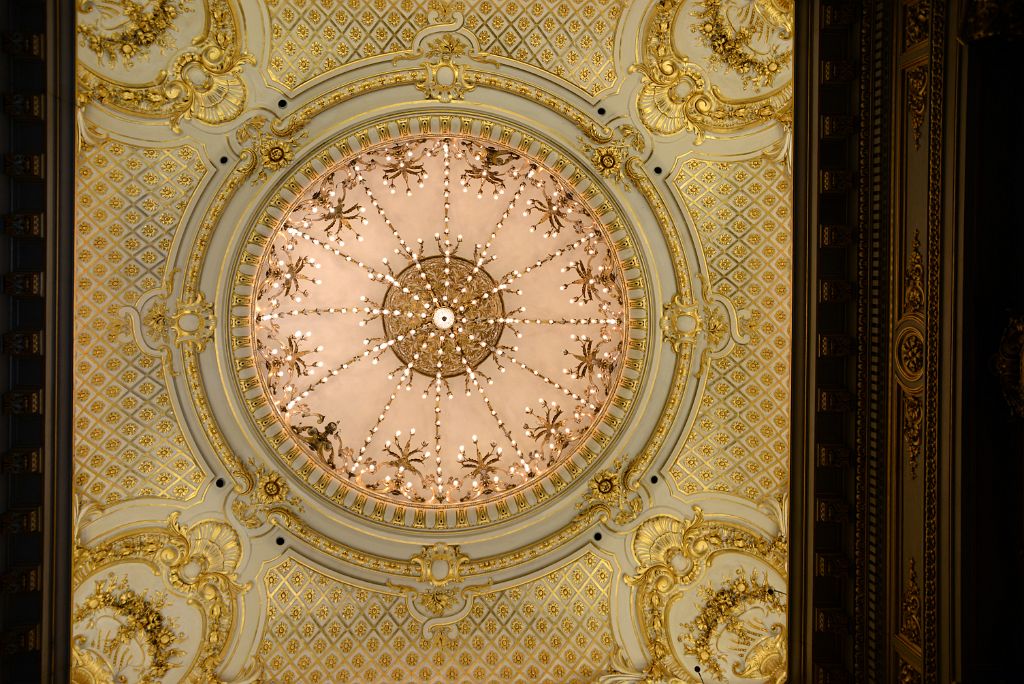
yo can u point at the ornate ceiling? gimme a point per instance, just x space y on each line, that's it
432 341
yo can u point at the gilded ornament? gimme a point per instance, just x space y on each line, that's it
126 29
917 100
913 286
198 561
202 83
440 564
913 428
140 627
730 43
725 611
916 20
610 492
269 147
910 619
444 47
264 493
671 555
677 94
681 322
1009 365
610 158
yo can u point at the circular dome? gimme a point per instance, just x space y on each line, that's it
439 321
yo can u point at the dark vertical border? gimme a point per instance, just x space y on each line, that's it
802 456
841 221
36 242
61 143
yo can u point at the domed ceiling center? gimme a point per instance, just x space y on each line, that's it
440 320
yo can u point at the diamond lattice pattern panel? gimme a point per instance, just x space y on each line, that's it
127 440
740 440
552 629
570 39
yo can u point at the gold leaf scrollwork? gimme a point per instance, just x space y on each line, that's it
158 321
203 83
676 94
913 288
671 555
913 418
440 568
681 322
265 493
197 561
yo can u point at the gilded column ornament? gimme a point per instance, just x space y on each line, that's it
910 621
913 282
202 83
751 40
917 100
915 22
913 419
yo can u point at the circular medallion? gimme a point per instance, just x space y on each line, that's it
439 321
465 309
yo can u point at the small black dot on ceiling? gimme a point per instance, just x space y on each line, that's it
220 481
282 103
223 160
601 111
598 536
657 169
280 541
654 479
